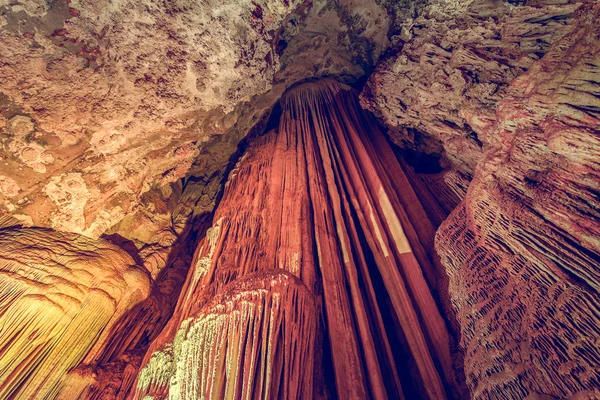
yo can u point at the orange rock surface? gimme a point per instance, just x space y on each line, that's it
320 235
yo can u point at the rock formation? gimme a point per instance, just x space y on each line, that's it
311 215
521 249
120 97
299 199
60 295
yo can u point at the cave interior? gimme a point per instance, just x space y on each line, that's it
299 199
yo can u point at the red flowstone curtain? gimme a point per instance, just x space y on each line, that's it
316 277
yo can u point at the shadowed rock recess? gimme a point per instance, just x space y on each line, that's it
290 199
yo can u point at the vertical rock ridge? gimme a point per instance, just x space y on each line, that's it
522 249
322 203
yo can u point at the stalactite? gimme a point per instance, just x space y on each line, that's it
321 203
112 372
60 294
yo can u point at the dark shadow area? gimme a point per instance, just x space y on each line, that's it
422 163
126 245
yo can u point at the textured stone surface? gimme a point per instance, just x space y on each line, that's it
120 97
522 248
250 341
60 295
111 372
313 199
115 92
441 93
529 230
123 118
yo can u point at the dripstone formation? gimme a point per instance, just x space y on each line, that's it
309 215
272 199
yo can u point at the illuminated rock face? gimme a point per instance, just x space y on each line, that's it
317 260
60 294
522 249
111 372
121 97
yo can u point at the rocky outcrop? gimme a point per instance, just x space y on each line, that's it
522 248
441 92
525 270
312 206
60 295
120 98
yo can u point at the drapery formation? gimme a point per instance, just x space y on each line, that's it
60 295
522 249
315 276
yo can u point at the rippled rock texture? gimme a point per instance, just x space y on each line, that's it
60 295
511 95
315 240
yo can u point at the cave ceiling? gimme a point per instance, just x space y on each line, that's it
104 102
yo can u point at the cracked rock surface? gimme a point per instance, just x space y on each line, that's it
120 97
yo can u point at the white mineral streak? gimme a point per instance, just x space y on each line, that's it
393 223
203 263
230 346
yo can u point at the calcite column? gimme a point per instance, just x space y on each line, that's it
318 264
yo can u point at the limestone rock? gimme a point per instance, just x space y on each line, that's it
344 229
440 94
60 294
251 341
127 94
525 270
522 248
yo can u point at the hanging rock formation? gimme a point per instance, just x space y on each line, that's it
522 249
313 237
60 295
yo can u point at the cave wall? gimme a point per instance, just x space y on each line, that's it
521 249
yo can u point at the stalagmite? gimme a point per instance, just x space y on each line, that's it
60 294
318 234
